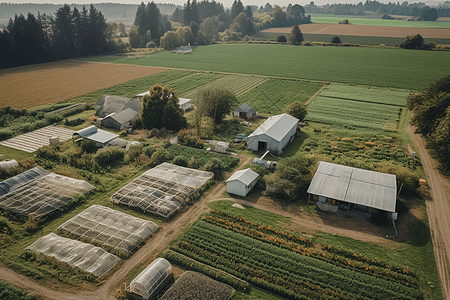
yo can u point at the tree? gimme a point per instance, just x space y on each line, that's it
428 14
412 42
439 141
160 109
236 9
281 39
170 40
297 11
296 35
243 24
135 38
336 40
194 28
296 109
209 29
218 103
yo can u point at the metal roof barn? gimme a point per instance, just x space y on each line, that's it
99 136
121 119
152 279
356 186
87 257
242 182
274 134
108 104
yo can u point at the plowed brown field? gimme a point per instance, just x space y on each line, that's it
29 86
366 30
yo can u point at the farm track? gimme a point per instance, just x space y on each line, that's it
438 212
30 86
317 93
365 30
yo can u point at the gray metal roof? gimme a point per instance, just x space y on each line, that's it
108 104
357 186
245 176
124 116
277 127
96 135
245 108
21 179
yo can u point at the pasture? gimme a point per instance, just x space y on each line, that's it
352 65
378 22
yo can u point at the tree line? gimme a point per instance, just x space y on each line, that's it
67 34
404 9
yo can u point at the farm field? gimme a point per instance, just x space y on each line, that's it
351 39
30 86
365 66
366 30
317 18
353 115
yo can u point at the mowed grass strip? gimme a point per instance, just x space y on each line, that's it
398 68
355 115
396 97
379 22
274 94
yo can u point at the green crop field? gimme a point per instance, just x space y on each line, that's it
351 114
379 22
396 97
274 94
399 68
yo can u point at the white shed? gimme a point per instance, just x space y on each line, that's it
241 182
274 134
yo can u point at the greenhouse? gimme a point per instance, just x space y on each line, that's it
109 228
162 190
37 192
87 257
150 281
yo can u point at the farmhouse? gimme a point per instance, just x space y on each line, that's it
370 189
274 134
107 105
245 111
242 182
151 280
100 137
184 103
120 120
184 49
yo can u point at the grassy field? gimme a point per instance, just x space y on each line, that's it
379 22
367 66
351 39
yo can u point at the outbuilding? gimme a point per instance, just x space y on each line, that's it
120 120
184 49
242 182
108 104
274 134
99 136
245 111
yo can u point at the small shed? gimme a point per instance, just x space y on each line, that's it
184 49
151 280
108 104
120 120
245 111
8 164
99 136
242 182
274 134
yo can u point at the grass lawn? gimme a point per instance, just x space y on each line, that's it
352 65
10 153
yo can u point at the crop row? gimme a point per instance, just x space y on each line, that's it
390 96
337 256
187 83
275 93
259 263
353 114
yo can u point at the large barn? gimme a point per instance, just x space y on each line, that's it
370 189
274 134
120 120
108 104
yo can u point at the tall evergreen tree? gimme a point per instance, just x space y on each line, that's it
236 9
153 16
63 28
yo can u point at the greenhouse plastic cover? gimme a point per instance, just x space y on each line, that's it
39 193
109 227
353 185
87 257
162 190
21 179
151 278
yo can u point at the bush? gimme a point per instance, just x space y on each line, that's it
74 122
53 118
108 155
5 134
88 146
216 166
412 42
161 155
336 40
345 21
281 39
181 160
150 44
133 153
149 150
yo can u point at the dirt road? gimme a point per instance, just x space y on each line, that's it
438 213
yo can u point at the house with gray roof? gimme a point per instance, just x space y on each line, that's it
245 111
274 134
120 120
242 182
99 136
108 104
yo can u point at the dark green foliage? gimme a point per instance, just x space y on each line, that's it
428 14
336 40
216 166
88 146
181 160
108 155
133 152
218 103
149 150
296 109
161 155
74 122
10 292
412 42
281 39
5 134
160 109
296 35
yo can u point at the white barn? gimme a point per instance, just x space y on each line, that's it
274 134
242 182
